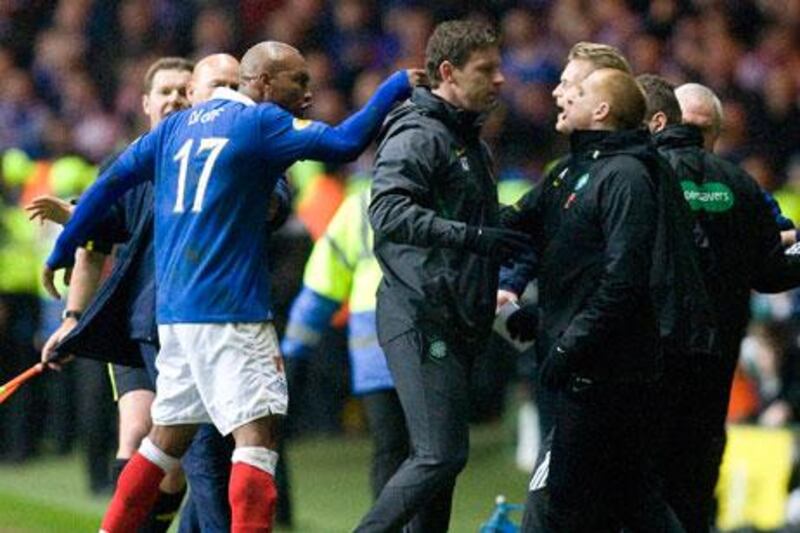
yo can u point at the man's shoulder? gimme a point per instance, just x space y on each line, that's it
627 165
412 117
733 175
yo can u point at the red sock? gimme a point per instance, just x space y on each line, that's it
253 496
137 491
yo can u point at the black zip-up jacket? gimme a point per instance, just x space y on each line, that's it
736 235
432 178
595 222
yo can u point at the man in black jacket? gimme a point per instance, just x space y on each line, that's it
583 59
739 248
435 214
594 225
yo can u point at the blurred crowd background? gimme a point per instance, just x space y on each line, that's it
71 76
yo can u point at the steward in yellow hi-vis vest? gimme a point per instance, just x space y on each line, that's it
342 269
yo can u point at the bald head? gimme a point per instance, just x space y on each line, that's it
276 72
268 56
702 108
211 72
623 95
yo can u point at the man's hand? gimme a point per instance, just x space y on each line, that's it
417 77
50 208
555 370
48 281
504 297
499 243
522 323
48 351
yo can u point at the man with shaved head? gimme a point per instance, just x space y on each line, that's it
210 73
594 225
739 247
701 108
219 360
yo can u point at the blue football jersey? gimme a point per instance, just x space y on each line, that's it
215 167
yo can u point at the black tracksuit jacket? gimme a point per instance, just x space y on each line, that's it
595 222
735 234
432 178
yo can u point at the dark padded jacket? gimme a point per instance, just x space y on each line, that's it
735 232
594 223
432 178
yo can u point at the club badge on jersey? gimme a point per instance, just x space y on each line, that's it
582 181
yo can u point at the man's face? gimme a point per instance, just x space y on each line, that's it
477 84
167 94
574 72
581 103
206 79
289 86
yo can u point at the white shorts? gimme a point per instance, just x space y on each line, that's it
226 374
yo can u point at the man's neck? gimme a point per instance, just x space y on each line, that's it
601 126
250 92
447 94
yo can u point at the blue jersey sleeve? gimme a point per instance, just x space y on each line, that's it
289 139
783 222
134 166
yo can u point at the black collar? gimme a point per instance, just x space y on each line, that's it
468 123
607 142
679 136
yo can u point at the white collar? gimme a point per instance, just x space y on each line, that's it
226 93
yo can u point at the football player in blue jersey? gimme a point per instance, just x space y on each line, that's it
214 167
117 322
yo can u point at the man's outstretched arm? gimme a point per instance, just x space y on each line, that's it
316 140
134 166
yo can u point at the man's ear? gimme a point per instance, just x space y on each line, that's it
658 122
146 104
602 112
446 69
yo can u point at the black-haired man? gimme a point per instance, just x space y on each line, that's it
437 238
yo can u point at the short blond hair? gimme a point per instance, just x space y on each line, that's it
626 100
600 55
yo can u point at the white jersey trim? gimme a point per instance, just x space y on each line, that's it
225 93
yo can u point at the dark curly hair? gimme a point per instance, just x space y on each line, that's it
454 41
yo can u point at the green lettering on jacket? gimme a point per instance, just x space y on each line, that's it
712 197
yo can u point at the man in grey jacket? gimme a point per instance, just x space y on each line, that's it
437 238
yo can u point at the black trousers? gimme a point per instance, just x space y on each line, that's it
387 427
692 444
595 473
430 374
